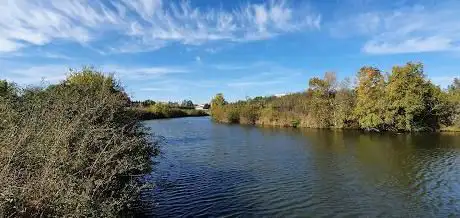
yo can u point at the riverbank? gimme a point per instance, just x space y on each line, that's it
450 129
147 114
402 101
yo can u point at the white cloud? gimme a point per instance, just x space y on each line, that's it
412 29
144 24
26 75
142 73
36 74
412 45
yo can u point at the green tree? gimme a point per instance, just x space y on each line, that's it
217 107
343 105
7 89
454 99
322 92
413 102
187 104
370 93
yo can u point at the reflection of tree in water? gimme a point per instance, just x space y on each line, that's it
405 173
416 167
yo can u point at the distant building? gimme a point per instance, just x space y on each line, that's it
199 107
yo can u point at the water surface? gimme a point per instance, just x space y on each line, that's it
210 169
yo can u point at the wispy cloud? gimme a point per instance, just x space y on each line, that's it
142 73
54 73
419 28
36 74
144 24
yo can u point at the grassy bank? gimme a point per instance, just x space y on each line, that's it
401 101
71 149
450 129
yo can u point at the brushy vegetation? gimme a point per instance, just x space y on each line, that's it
72 149
402 101
164 111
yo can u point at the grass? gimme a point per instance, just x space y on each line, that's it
450 129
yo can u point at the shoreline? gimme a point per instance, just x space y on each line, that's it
261 125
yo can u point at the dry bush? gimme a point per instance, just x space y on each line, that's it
73 149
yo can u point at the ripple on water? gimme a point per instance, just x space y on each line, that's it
226 170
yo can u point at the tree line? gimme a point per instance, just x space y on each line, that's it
185 104
149 109
403 101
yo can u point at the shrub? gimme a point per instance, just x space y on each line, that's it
73 149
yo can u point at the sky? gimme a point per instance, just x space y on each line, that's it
170 50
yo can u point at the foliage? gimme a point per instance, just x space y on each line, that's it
454 99
166 110
413 102
344 102
322 93
405 101
217 107
7 89
72 149
187 104
370 104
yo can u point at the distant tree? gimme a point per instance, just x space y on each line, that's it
148 103
370 103
206 106
187 104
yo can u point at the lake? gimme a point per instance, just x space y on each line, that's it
209 169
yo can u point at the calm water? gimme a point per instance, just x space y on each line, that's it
210 169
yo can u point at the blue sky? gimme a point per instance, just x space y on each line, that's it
174 50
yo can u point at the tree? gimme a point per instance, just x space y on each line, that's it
414 103
322 92
370 104
343 105
454 99
217 107
148 103
6 88
218 101
187 104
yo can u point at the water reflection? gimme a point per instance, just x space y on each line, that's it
219 170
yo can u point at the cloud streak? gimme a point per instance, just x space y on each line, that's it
412 29
144 24
27 75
